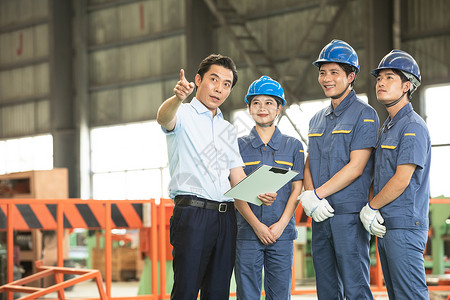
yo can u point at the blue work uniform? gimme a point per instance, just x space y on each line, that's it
404 140
340 245
251 255
202 150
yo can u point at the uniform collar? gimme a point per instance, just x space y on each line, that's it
345 103
400 114
274 142
201 109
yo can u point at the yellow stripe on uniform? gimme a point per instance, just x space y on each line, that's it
341 131
284 163
301 151
315 134
369 120
410 134
251 163
388 147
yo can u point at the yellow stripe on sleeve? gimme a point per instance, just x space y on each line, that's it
369 120
315 134
410 134
281 162
251 163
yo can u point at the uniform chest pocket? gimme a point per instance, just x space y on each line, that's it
390 144
341 138
284 161
389 150
315 141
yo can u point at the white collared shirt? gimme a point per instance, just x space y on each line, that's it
202 150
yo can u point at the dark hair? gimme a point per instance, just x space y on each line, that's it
403 78
277 100
346 67
217 59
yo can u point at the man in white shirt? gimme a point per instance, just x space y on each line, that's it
204 159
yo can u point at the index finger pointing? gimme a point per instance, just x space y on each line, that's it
182 78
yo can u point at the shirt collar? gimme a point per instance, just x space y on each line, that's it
274 142
201 109
345 103
400 114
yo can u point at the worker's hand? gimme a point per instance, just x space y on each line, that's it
277 229
323 211
372 220
264 234
183 88
267 198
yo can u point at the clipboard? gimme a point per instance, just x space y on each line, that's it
265 179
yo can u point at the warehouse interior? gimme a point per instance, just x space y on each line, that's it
81 82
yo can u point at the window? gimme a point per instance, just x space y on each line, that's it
437 107
25 154
129 162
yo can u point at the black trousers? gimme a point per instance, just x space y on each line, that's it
204 251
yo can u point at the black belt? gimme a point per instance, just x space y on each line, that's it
189 200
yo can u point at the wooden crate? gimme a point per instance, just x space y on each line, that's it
39 184
124 264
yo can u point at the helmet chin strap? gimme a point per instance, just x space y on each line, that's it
396 101
341 94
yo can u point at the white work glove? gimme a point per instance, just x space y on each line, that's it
372 220
314 207
309 201
323 211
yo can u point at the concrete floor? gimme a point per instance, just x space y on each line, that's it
88 289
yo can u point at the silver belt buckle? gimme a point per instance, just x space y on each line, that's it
222 207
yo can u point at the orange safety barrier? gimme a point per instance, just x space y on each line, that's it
68 213
77 214
145 234
301 218
57 273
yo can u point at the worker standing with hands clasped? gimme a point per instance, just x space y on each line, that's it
338 173
398 211
204 158
266 233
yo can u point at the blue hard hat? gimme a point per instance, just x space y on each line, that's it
338 51
403 61
265 86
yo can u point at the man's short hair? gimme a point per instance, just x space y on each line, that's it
217 59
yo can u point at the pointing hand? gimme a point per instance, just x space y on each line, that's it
183 88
